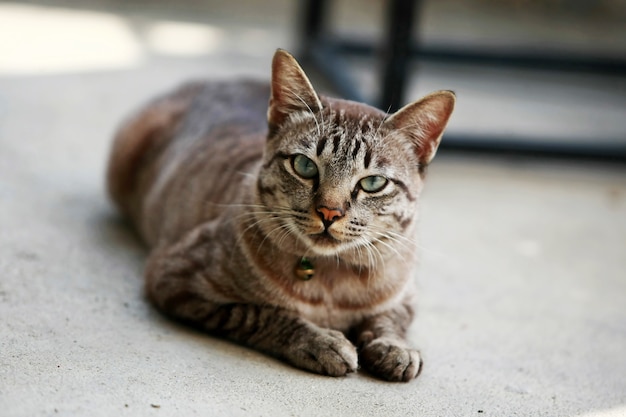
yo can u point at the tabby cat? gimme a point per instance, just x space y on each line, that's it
288 228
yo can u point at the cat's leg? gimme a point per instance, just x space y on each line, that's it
179 283
283 334
383 349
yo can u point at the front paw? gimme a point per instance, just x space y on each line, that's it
389 360
324 351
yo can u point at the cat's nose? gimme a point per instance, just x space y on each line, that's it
329 215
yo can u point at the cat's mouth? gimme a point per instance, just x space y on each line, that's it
325 244
324 239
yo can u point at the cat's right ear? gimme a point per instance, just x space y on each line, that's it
291 90
424 121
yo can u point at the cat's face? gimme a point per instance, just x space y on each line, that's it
341 180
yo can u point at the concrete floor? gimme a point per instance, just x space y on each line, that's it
523 289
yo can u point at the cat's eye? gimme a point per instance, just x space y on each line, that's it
304 166
373 184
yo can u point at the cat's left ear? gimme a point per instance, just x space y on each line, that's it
424 122
291 90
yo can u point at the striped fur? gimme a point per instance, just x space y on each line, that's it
208 176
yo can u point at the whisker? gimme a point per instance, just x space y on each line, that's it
319 132
257 219
243 232
290 230
281 228
379 236
408 127
330 112
390 247
373 255
413 244
383 120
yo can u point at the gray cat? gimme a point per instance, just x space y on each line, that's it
288 228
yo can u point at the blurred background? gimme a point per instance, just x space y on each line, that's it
498 103
522 290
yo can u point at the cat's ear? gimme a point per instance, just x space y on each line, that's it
424 121
291 90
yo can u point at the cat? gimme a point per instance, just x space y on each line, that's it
287 227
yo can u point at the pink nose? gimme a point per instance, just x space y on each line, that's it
330 214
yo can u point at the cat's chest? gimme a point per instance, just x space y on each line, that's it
340 297
330 291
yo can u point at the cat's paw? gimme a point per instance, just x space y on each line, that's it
326 352
389 360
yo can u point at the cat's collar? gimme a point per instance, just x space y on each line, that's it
305 269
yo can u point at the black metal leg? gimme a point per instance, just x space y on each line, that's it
397 53
323 54
314 13
326 55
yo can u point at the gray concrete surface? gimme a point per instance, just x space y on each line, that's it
523 284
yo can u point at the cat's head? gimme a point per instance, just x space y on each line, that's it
343 178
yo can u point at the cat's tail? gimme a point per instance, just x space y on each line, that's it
138 141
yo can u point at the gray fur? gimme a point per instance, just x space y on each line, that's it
212 189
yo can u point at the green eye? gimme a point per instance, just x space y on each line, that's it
373 183
304 166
